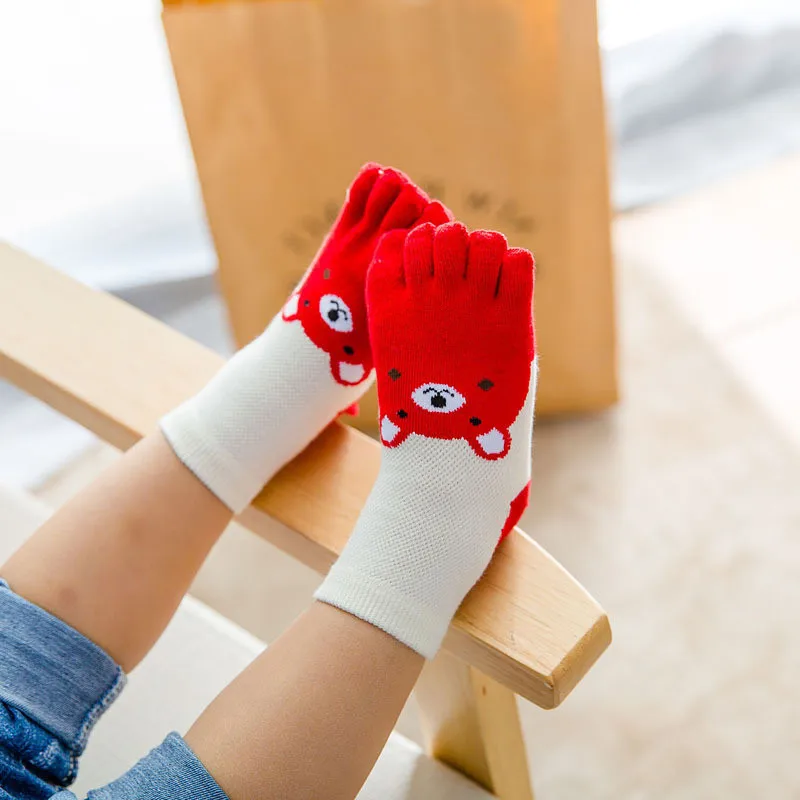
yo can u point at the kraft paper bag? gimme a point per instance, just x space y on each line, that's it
493 106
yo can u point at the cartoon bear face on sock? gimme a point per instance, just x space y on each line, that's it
330 306
445 400
452 336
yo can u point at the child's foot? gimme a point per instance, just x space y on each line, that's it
329 303
312 362
451 327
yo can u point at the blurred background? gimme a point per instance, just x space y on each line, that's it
678 508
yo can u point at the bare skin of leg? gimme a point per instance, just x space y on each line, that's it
115 562
310 716
307 719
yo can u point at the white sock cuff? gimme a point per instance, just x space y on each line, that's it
217 470
419 627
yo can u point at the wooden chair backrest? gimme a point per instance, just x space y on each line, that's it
284 101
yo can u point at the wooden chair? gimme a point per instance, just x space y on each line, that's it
528 628
284 101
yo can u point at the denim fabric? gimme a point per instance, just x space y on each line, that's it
54 686
170 771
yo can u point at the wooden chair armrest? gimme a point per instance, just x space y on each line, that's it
527 624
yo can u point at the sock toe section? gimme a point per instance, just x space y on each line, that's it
384 193
486 251
516 280
406 209
359 192
386 271
436 213
450 247
418 255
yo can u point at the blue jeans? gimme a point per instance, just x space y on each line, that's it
54 686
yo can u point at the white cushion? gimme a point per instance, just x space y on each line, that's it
20 515
199 654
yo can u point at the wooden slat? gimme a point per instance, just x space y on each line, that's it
528 624
472 723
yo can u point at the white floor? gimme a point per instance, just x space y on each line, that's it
729 257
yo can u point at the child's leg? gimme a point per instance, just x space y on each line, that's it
310 716
114 563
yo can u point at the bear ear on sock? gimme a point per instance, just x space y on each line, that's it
347 373
492 445
291 307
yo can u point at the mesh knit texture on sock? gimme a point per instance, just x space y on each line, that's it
311 363
451 328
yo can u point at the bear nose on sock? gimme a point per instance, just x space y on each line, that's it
333 315
349 350
438 401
